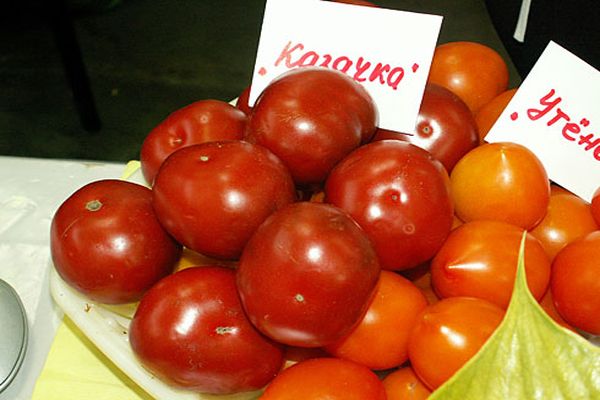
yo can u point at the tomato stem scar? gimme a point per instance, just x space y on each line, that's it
223 330
299 298
93 205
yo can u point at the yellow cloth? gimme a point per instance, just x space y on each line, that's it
76 369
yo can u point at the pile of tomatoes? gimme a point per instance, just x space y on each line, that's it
315 237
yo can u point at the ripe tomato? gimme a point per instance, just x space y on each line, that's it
447 334
547 304
488 114
307 275
500 181
325 378
445 127
479 259
199 122
380 341
399 195
575 283
596 206
568 218
475 72
404 384
213 196
107 242
190 330
242 101
311 118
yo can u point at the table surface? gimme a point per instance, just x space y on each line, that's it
30 192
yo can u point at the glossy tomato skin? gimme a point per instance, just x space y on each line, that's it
447 334
479 259
474 71
399 195
307 275
325 378
568 218
107 242
191 331
445 127
575 283
500 181
213 196
199 122
311 118
380 341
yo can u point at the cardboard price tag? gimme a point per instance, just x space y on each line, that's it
388 51
555 114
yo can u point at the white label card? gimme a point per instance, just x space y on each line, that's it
556 114
388 51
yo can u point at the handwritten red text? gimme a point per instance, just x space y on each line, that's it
361 70
570 129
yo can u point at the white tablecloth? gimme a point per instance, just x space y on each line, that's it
30 192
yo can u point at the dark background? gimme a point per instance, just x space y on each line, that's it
145 59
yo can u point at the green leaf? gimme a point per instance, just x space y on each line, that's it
528 357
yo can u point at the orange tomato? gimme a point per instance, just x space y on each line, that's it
447 334
557 189
500 181
487 115
568 218
380 340
473 71
596 206
325 378
547 304
404 384
575 283
479 259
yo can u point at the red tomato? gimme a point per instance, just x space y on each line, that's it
576 283
325 378
190 330
199 122
500 181
488 114
479 259
568 218
213 196
307 275
447 334
380 341
242 101
311 118
475 72
107 243
399 195
445 126
404 384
